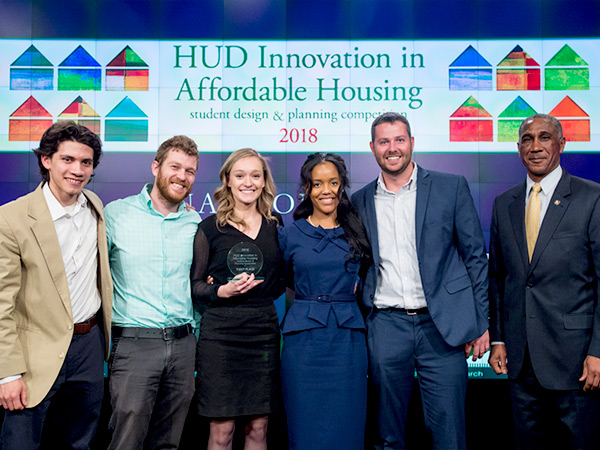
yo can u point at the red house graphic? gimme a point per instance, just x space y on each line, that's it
29 121
127 72
471 122
574 120
518 72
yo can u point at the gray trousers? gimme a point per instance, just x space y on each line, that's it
151 386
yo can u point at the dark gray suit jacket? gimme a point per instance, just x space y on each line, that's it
550 305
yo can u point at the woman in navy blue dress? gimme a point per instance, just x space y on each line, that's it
324 357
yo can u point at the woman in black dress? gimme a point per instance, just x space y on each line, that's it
237 359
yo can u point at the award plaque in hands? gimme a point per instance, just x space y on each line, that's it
245 257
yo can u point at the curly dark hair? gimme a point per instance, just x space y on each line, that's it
347 215
61 131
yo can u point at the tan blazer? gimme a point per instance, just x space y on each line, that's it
36 322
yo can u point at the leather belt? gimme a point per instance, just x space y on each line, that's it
84 327
166 334
408 312
328 298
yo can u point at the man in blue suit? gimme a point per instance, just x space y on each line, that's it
426 292
544 314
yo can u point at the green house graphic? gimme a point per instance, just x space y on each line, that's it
79 72
567 71
126 122
511 118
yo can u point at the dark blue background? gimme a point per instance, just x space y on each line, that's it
121 174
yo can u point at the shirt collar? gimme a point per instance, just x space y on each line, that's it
548 183
57 210
144 197
411 185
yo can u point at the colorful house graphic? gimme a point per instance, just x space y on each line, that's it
574 120
518 72
80 112
79 72
126 122
471 122
511 118
470 71
29 121
127 72
31 71
567 71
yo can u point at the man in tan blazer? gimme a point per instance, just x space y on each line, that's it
55 299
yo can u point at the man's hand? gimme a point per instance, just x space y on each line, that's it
479 346
498 359
13 395
591 373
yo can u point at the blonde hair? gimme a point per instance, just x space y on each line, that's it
224 197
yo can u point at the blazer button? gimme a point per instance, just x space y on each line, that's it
62 355
529 285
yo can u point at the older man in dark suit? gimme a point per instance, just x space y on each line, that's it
544 315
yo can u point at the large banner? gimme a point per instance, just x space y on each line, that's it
298 96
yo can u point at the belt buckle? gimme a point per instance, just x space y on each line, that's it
411 312
165 334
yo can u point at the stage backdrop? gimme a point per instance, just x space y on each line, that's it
296 77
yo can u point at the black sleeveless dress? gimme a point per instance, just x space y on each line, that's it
237 358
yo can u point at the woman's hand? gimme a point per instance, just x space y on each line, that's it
241 284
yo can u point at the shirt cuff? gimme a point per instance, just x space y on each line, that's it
9 379
497 343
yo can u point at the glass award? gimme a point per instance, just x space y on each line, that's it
245 257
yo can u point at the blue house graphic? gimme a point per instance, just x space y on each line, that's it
31 71
470 71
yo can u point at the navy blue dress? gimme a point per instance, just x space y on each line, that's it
324 357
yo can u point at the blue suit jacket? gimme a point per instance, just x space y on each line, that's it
550 305
451 253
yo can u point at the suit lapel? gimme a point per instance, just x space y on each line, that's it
423 189
516 212
556 210
101 240
43 229
371 219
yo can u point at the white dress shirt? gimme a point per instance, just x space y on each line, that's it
399 282
77 230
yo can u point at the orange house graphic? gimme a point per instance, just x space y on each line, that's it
29 121
574 120
80 112
518 72
471 122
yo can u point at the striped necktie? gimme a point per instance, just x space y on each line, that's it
532 218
